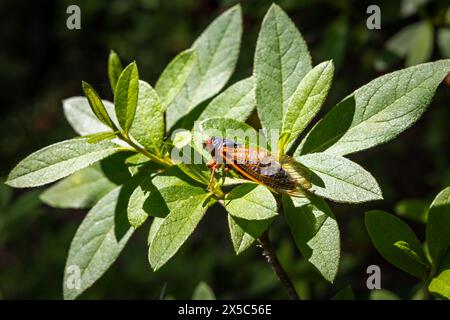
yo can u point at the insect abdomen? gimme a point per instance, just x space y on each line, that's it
279 180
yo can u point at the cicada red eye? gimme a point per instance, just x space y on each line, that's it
208 145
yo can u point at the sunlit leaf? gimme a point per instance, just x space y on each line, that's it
306 101
174 76
281 61
315 232
82 118
126 96
97 105
148 125
84 188
97 244
251 202
217 50
377 112
58 161
236 102
176 228
340 179
115 68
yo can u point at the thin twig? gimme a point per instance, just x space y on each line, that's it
272 259
166 162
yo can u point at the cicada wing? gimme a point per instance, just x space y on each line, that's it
298 193
284 175
248 171
297 171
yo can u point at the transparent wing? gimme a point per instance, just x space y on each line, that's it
298 171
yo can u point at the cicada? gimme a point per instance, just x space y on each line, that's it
284 175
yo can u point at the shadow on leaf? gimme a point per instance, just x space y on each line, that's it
331 128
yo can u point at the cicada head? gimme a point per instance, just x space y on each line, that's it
212 145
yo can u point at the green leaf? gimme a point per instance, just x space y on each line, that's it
421 46
100 136
140 163
236 102
306 101
340 179
344 294
156 223
315 232
251 202
135 211
245 232
97 244
437 235
440 285
115 68
385 230
443 42
217 51
137 159
176 229
414 209
281 61
195 171
181 138
148 124
58 161
97 105
203 292
126 96
175 76
84 188
383 294
406 248
82 119
167 190
415 42
376 112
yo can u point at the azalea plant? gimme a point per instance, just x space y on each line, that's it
133 159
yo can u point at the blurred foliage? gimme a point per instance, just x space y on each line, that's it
429 261
42 62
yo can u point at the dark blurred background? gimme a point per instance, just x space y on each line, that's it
42 62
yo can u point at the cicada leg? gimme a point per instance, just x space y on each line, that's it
213 166
225 171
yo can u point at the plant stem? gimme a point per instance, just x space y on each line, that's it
272 259
162 161
426 294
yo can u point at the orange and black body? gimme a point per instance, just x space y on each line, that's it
284 175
